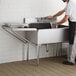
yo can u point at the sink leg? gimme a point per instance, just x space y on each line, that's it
61 49
27 51
46 47
56 49
38 51
23 52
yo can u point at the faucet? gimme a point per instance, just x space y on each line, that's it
24 21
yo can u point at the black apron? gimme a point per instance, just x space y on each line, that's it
72 29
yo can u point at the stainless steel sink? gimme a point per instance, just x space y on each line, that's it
45 34
42 33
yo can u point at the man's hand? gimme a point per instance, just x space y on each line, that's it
50 17
56 24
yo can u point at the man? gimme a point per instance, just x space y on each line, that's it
70 15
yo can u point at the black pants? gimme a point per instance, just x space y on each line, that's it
72 29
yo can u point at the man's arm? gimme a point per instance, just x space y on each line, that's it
57 14
65 18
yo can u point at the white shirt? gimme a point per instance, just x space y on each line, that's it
70 10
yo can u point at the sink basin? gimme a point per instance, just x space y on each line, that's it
44 26
40 25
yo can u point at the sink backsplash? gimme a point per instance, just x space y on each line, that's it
40 20
45 20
